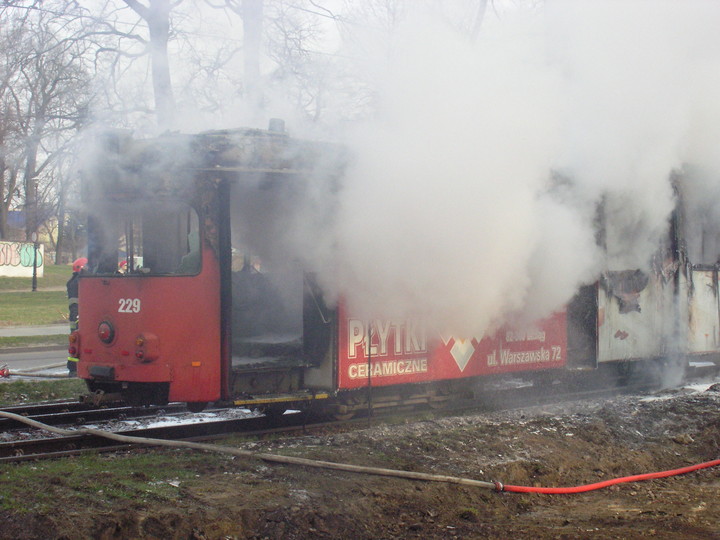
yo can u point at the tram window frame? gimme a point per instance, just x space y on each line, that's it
133 232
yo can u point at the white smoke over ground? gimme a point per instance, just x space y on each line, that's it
448 210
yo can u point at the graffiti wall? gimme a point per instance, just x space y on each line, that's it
16 259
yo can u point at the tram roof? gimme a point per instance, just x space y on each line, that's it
173 162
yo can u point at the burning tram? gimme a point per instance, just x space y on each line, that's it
181 302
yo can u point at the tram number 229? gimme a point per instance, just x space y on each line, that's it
129 305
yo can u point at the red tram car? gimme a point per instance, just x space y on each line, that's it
194 315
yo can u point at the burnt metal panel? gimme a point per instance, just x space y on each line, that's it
636 316
702 309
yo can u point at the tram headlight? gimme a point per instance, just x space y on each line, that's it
106 332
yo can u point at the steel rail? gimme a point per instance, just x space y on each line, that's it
31 449
73 413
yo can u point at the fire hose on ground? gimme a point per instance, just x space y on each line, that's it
5 372
378 471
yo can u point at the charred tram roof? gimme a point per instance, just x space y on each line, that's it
168 165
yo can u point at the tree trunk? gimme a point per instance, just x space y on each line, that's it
60 244
9 188
72 240
157 17
158 21
3 208
30 183
479 17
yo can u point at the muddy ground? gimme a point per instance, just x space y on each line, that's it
552 445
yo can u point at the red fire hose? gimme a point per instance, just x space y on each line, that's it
606 483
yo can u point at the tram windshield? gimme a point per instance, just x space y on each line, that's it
146 238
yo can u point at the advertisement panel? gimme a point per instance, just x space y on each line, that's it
408 352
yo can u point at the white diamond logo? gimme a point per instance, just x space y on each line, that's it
461 351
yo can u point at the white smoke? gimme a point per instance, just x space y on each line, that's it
449 210
627 86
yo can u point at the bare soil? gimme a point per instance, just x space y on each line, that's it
554 445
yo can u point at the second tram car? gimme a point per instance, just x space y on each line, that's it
183 301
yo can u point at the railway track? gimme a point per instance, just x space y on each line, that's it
75 413
207 428
23 450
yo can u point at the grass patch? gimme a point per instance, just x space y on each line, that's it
19 392
32 341
33 308
93 480
53 276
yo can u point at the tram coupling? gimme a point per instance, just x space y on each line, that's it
100 397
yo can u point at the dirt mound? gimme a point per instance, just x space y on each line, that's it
555 445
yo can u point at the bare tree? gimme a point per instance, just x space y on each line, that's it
45 95
303 72
10 135
53 99
252 14
54 46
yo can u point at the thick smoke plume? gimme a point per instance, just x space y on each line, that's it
472 196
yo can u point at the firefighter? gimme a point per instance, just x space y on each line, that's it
72 292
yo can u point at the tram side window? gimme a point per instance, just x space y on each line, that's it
155 239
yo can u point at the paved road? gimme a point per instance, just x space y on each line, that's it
29 289
55 361
48 330
20 359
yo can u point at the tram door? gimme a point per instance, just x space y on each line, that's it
582 328
266 274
